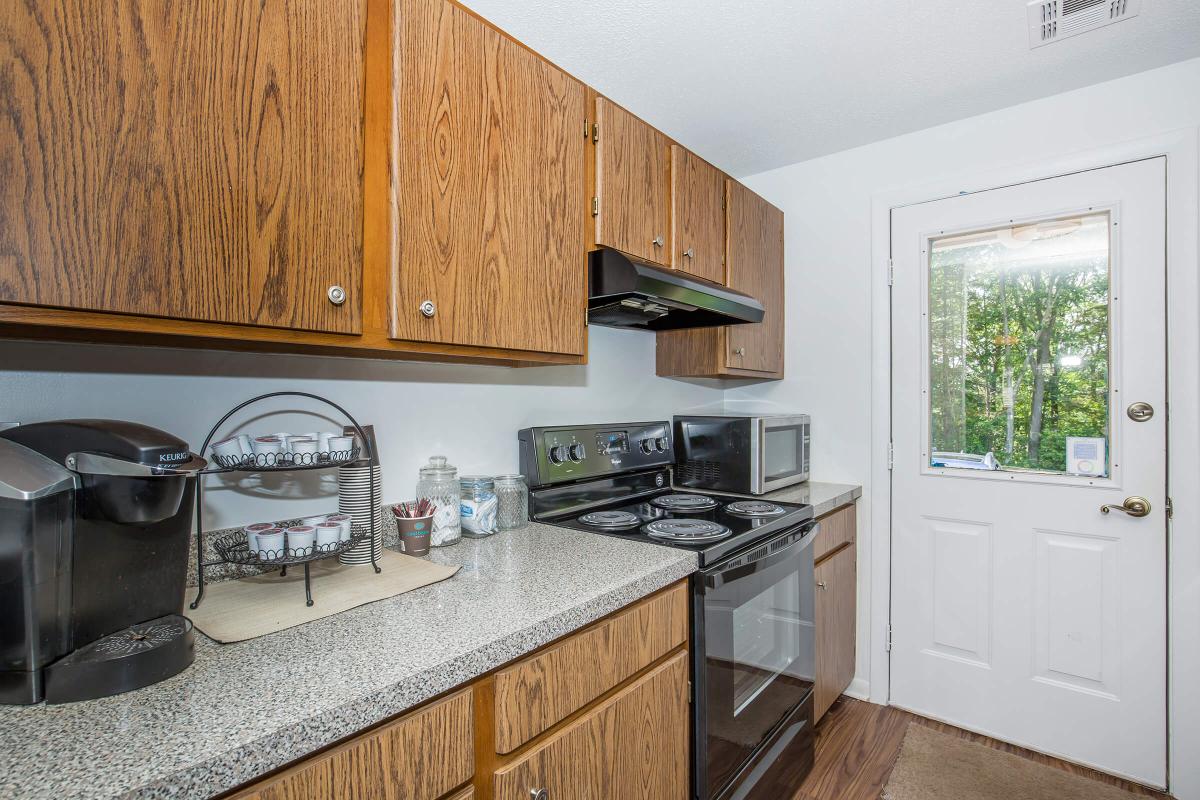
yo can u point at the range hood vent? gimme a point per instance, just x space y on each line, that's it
627 293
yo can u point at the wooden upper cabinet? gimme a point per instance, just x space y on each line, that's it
489 240
200 161
699 215
633 185
755 266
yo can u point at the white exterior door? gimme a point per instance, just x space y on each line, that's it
1029 391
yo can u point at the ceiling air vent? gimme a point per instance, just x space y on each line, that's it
1051 20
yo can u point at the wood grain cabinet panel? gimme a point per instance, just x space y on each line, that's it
199 161
633 185
419 757
837 528
490 181
835 627
632 746
755 266
698 198
534 694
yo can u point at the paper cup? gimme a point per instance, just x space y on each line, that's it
414 534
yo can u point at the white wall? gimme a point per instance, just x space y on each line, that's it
469 413
827 202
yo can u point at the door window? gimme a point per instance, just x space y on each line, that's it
1019 347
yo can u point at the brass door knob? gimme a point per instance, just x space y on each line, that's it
1133 506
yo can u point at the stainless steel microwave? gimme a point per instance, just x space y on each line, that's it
741 453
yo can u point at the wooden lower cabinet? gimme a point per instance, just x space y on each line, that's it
836 616
421 756
623 733
632 746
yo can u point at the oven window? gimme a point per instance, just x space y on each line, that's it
783 451
766 639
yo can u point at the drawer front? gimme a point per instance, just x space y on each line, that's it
534 694
837 529
419 757
633 746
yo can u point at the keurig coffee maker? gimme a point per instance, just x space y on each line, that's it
95 519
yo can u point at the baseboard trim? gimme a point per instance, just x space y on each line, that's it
859 689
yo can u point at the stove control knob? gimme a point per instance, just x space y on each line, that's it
576 452
660 444
558 454
647 446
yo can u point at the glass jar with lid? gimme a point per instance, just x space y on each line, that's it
439 485
478 509
513 497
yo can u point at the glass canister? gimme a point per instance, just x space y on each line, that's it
439 485
513 497
479 506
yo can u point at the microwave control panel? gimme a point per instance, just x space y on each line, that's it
570 453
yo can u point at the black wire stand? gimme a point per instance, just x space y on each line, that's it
233 548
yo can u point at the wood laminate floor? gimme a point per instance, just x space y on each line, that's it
857 746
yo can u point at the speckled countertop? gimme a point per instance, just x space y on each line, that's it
823 497
244 709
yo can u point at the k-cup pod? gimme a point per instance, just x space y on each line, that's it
300 539
328 535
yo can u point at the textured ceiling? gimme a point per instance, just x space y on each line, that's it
759 84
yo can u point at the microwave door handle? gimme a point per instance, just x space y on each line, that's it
722 577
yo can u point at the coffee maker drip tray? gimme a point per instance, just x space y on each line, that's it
129 659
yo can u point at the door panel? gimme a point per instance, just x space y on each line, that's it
699 216
1025 321
755 266
633 184
836 622
200 162
489 189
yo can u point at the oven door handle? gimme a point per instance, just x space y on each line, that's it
742 570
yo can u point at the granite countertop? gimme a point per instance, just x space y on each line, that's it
823 497
244 709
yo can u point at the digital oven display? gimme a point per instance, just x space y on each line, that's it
610 442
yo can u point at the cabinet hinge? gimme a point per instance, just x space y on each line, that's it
595 206
1170 509
586 127
690 696
889 637
891 455
891 271
595 131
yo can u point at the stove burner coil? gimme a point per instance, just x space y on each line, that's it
755 508
610 519
685 502
686 530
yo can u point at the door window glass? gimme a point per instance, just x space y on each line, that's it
1019 332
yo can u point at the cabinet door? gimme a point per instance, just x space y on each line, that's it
633 184
490 181
755 266
835 627
421 756
198 161
633 746
699 215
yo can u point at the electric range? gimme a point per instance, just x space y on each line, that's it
752 638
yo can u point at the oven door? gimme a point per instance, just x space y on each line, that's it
781 452
755 660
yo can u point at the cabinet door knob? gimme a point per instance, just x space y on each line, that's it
428 308
336 295
821 585
658 241
741 351
539 794
690 253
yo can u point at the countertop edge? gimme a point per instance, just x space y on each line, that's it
245 763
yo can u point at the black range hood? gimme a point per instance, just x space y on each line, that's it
627 293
